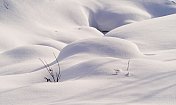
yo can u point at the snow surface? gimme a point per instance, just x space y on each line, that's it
140 30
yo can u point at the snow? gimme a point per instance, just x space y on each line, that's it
139 32
112 47
153 34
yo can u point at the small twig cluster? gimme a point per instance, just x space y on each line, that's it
56 76
117 71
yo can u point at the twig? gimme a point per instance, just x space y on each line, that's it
128 74
128 65
47 80
58 75
44 64
48 68
116 71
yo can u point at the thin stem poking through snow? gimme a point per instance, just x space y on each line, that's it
51 72
128 74
49 69
58 75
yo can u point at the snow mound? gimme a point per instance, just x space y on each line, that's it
111 14
104 15
93 67
17 61
112 47
72 29
155 34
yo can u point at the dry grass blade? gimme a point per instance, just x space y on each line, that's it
58 75
48 68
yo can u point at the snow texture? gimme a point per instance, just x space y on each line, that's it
91 39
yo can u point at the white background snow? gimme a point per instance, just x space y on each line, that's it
143 31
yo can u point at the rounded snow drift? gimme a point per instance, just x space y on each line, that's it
109 47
